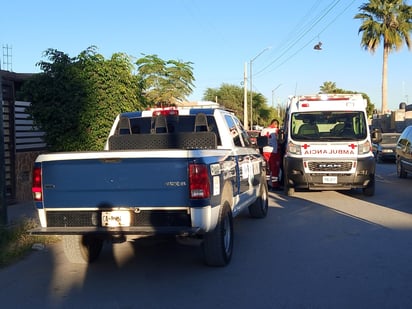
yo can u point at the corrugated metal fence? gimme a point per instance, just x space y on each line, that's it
22 142
27 136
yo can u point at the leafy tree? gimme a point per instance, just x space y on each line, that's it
330 87
113 89
75 100
232 97
389 21
369 105
262 114
229 96
164 82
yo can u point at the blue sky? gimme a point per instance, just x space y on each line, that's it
219 37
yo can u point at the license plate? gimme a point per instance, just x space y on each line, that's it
116 218
330 179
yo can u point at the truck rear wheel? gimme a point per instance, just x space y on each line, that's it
82 249
259 209
218 244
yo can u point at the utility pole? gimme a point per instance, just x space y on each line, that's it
245 120
251 87
3 205
251 93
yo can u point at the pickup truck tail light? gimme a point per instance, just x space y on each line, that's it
199 181
36 186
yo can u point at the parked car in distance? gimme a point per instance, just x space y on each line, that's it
404 153
386 148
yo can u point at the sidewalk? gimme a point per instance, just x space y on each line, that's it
19 211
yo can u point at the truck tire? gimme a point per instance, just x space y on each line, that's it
218 243
400 170
370 188
259 209
82 249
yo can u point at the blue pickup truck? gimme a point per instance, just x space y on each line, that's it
180 171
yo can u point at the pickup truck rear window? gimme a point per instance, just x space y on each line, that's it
173 124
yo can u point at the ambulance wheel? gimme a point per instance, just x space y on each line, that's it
218 243
289 191
287 188
259 209
82 249
370 188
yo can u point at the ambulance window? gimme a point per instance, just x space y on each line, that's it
330 125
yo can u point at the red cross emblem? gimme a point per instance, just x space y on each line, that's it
305 146
353 146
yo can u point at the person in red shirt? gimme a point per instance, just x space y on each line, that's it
271 153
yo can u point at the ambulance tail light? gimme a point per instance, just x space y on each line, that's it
364 148
36 186
294 149
199 181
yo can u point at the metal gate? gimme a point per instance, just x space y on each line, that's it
22 141
9 144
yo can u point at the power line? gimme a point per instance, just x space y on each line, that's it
309 42
304 23
300 37
305 30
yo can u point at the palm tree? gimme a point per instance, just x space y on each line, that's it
389 21
328 87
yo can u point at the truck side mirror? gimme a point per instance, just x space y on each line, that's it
376 136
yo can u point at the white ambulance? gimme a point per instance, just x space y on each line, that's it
327 144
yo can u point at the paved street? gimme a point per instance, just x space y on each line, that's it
314 250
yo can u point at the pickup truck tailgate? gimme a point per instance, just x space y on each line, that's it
115 182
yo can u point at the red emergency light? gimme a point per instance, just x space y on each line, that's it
324 98
169 111
337 99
